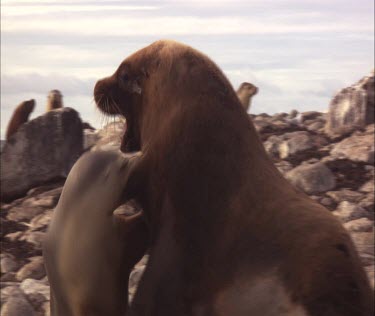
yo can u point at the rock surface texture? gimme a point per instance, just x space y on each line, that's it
338 173
352 108
42 150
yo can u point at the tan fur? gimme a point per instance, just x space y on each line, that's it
88 251
20 116
221 215
245 93
54 100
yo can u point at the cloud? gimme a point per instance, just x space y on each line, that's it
41 84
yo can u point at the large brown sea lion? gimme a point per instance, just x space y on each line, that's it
229 235
54 100
245 92
20 116
88 251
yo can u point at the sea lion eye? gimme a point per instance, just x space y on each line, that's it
125 77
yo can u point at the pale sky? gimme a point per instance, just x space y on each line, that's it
298 52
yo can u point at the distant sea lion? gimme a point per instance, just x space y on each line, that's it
88 251
229 235
245 92
54 100
20 116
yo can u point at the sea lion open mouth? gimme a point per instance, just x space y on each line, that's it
109 102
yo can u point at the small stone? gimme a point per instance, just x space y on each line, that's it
19 213
355 148
45 202
326 201
17 306
34 269
135 276
31 286
8 263
11 291
14 236
283 166
8 277
367 187
34 238
359 225
345 195
347 212
370 270
41 221
364 243
312 179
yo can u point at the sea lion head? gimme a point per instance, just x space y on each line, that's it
136 83
54 100
247 88
28 106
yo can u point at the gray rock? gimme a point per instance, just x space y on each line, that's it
43 149
31 286
11 291
345 195
367 187
352 108
41 221
110 136
326 201
34 269
23 213
310 115
14 236
370 270
8 277
364 243
294 143
45 202
8 263
359 225
316 126
34 238
283 166
17 306
356 148
90 138
313 178
347 212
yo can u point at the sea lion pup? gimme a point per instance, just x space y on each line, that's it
20 116
89 252
229 235
54 100
245 92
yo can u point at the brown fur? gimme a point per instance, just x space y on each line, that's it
88 251
245 92
20 116
54 100
222 217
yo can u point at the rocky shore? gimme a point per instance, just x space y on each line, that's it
329 156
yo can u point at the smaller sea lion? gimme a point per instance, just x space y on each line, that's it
88 251
245 92
20 116
54 100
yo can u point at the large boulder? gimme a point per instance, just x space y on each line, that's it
312 178
42 150
352 108
359 147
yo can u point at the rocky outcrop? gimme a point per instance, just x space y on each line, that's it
337 173
352 108
42 150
